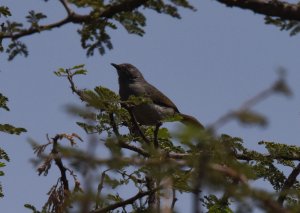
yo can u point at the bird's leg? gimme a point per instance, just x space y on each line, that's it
136 125
158 125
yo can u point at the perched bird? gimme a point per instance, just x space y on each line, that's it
132 83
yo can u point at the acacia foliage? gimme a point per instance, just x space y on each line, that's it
103 16
8 129
94 26
217 170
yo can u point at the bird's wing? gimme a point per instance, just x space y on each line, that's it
159 98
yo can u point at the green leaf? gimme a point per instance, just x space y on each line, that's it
7 128
102 98
4 155
1 191
284 25
31 207
115 198
60 72
94 35
3 101
34 18
4 11
113 183
15 48
132 21
282 87
87 127
80 72
80 66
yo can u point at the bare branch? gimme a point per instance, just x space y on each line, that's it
179 156
174 199
275 8
248 104
65 4
59 163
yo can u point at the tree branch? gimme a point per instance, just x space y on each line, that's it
134 148
67 8
288 184
100 187
75 18
179 156
136 126
122 143
245 106
174 199
72 18
275 8
125 202
59 163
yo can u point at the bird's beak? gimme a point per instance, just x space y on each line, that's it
115 66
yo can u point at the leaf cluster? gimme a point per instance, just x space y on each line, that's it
6 128
95 25
293 27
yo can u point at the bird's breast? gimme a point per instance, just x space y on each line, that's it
133 89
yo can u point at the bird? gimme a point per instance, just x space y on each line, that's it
132 83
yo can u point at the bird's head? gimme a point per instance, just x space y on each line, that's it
127 72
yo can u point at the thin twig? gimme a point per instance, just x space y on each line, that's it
131 200
156 130
132 177
137 127
114 125
246 105
134 148
174 199
152 199
59 163
122 143
73 87
289 182
99 189
245 157
67 8
201 169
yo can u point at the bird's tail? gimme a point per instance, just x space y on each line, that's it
191 121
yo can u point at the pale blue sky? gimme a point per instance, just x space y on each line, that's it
208 62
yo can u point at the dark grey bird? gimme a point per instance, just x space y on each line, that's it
132 83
